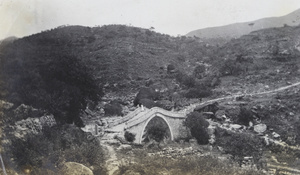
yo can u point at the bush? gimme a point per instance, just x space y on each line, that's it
245 116
171 68
156 133
145 93
185 80
240 145
199 71
53 81
148 103
157 129
114 108
198 127
54 146
231 67
129 136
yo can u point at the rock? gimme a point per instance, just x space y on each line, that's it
5 105
266 139
74 168
213 107
28 126
275 135
164 171
221 115
260 128
125 147
211 130
47 120
233 112
193 141
236 126
131 172
24 111
250 124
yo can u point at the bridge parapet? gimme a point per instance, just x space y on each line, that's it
126 118
150 112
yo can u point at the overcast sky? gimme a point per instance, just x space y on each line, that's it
24 17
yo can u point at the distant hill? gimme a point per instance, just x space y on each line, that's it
227 32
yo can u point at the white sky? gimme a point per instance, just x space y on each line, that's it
24 17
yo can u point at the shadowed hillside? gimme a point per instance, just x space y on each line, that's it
115 53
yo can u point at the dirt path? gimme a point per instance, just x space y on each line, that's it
112 162
191 107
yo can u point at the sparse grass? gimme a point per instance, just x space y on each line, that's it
192 165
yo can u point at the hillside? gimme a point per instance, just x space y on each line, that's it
227 32
114 53
52 78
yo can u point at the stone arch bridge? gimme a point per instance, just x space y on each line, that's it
137 121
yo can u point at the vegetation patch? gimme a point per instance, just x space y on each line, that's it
206 165
198 127
240 145
49 150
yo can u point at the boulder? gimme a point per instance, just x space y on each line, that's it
236 126
24 111
131 172
260 128
125 147
5 105
47 120
213 107
28 126
276 135
74 168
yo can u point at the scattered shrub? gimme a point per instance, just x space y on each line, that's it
114 108
245 116
199 71
191 164
145 93
148 103
231 67
185 80
198 127
130 137
171 68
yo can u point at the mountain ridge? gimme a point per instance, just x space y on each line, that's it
235 30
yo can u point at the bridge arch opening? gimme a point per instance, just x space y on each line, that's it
156 128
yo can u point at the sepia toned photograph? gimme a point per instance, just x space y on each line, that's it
136 87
